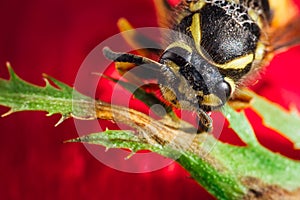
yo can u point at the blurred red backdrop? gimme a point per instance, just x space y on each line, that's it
53 37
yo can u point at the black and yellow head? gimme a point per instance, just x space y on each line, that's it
193 81
222 47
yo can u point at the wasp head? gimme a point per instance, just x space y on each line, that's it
212 51
191 81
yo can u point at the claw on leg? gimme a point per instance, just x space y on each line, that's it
205 122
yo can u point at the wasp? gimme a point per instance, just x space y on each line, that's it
218 45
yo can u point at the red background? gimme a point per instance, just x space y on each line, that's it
53 37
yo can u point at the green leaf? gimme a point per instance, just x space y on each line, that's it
257 160
277 118
240 124
226 171
124 139
20 95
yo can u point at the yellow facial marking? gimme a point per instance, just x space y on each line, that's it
239 63
196 30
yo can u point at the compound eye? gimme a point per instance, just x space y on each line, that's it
223 90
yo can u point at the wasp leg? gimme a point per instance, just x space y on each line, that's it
240 100
205 122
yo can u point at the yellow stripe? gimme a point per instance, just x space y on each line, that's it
195 6
256 18
196 30
234 1
231 83
238 63
180 44
260 51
